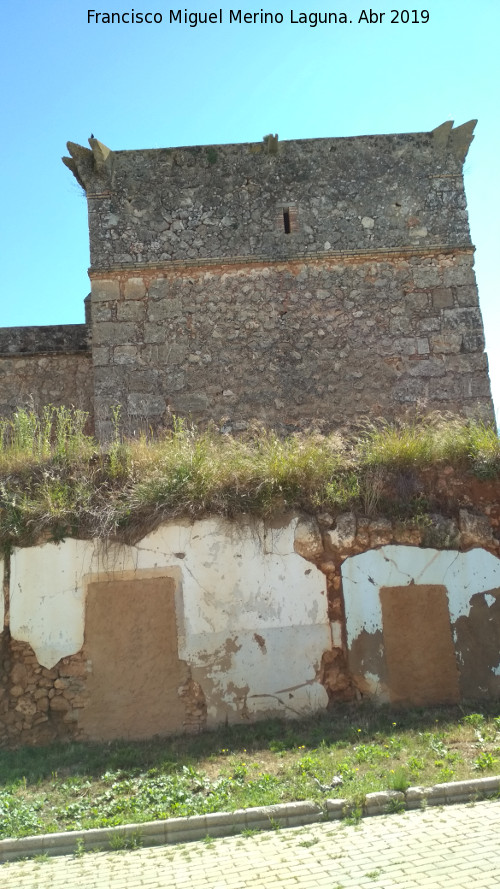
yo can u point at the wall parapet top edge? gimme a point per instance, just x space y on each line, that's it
17 342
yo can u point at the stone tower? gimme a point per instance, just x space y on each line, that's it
291 282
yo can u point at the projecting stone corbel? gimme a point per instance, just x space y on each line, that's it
271 143
88 163
455 139
101 154
441 134
461 138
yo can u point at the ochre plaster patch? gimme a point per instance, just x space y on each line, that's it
136 674
419 653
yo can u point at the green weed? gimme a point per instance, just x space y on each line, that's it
474 719
119 842
79 848
398 779
484 761
353 815
79 786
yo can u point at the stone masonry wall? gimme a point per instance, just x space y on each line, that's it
308 281
288 282
327 339
202 202
46 365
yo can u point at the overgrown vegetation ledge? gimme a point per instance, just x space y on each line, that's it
57 481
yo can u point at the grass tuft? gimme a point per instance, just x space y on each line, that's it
56 481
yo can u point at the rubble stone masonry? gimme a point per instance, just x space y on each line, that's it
46 365
318 280
288 343
315 280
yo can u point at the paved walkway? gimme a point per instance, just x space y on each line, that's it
453 848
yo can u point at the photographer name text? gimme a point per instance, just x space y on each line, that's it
193 19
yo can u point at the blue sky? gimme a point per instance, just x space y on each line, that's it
148 86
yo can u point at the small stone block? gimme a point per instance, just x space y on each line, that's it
458 791
415 796
105 290
380 802
176 825
134 288
337 808
11 849
442 297
219 819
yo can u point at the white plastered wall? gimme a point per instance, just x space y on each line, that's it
252 614
463 575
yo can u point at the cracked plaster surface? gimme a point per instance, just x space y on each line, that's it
463 575
234 581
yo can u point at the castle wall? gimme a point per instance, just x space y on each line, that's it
223 622
315 281
224 201
326 340
288 282
397 596
46 365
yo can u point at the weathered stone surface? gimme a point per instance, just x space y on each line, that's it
449 342
382 801
442 297
441 532
380 532
59 704
159 205
342 537
26 706
475 530
134 288
350 300
61 338
308 542
19 675
36 380
105 291
301 344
